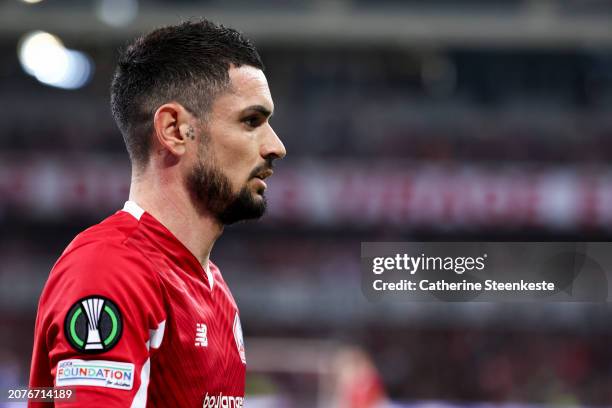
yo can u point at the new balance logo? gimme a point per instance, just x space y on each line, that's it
201 340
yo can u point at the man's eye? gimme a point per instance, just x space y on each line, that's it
252 121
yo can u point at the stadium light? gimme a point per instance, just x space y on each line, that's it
44 56
31 1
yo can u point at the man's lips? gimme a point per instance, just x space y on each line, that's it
264 174
260 181
259 177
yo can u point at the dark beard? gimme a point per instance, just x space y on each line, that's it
212 192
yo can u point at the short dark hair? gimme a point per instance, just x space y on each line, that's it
187 63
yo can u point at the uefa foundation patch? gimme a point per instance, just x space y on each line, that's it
96 373
93 325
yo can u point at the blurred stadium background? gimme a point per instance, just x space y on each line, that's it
404 120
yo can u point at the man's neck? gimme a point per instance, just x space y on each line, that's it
171 205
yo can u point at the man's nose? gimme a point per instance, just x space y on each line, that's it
273 147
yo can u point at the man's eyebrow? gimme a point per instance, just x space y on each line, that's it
259 108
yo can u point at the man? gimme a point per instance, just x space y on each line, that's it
134 314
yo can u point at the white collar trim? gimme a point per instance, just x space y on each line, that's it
209 275
134 209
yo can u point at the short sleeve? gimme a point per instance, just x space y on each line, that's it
100 318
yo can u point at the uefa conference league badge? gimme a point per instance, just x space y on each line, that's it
93 325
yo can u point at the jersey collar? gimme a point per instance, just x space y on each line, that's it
137 212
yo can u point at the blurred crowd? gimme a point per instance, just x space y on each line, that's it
458 105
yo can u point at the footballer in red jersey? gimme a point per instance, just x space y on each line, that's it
134 314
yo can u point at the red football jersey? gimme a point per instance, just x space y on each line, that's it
130 318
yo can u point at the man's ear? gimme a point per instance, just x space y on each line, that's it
168 121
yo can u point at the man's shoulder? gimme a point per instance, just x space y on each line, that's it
101 263
103 244
111 231
100 258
